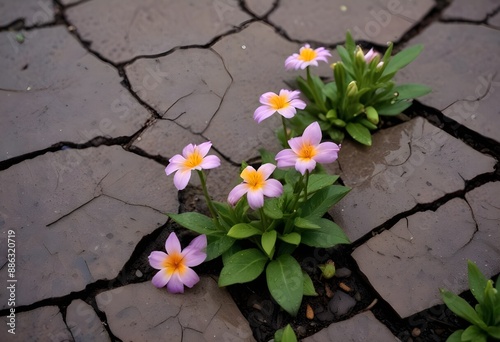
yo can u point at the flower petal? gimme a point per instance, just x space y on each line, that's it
237 192
156 259
175 284
265 98
175 163
172 245
262 113
305 164
203 148
246 173
327 152
286 158
267 169
296 144
189 277
255 198
288 112
194 254
186 151
161 278
181 179
297 103
210 162
273 188
312 134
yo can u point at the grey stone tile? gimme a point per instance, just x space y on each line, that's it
186 86
408 164
84 323
33 12
495 20
470 10
428 250
259 7
53 90
42 324
327 21
123 29
360 328
141 312
78 217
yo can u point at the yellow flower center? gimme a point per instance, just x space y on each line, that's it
307 151
254 179
193 160
307 54
279 102
174 262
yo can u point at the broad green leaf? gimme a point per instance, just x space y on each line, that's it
242 267
272 208
344 55
494 332
455 337
472 333
367 124
488 304
329 235
285 282
411 91
393 109
292 238
323 200
330 90
336 135
349 42
309 289
359 133
319 181
268 241
232 250
217 245
288 334
461 308
304 88
477 281
196 222
304 223
243 231
402 59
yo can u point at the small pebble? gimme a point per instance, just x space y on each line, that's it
345 287
341 304
309 312
357 296
416 332
343 272
138 273
328 291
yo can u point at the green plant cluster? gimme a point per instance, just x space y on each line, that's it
484 317
359 94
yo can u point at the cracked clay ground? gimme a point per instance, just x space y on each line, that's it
97 95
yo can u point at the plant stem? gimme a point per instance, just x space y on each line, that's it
305 187
211 207
284 129
263 219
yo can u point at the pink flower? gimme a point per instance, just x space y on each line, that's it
306 57
370 55
174 266
256 185
285 104
193 158
308 150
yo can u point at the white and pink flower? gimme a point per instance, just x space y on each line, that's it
285 103
306 57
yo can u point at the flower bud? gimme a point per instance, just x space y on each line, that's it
352 89
328 269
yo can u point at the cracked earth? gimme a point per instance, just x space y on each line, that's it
96 96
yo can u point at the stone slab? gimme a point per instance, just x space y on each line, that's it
464 53
495 21
141 312
53 90
327 21
363 327
123 29
84 324
408 164
78 217
33 12
469 10
186 86
42 324
259 7
429 250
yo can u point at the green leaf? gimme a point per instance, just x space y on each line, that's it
242 267
477 281
349 42
455 337
329 235
285 282
272 208
367 124
319 181
292 238
243 231
359 133
461 308
309 289
402 59
304 88
330 91
393 109
473 333
288 334
218 244
196 222
304 223
268 241
411 91
323 200
232 250
493 332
